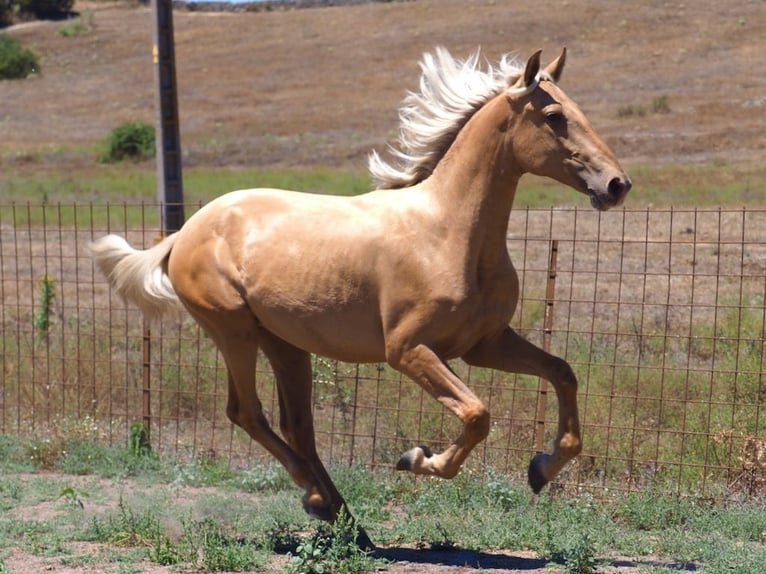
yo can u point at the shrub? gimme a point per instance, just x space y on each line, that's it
133 140
16 62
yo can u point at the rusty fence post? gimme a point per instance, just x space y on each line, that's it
147 381
550 294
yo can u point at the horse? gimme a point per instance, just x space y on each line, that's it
414 273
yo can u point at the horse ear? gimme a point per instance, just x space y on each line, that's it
555 68
533 67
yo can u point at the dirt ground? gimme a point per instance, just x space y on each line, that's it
90 557
322 86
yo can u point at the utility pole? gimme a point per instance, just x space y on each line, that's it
169 177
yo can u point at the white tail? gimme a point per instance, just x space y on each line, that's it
139 277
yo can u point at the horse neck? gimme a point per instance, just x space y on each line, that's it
476 180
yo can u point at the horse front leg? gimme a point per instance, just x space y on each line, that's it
423 366
512 353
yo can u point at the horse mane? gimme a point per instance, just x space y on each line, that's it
451 92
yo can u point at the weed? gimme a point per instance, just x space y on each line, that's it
127 528
44 452
164 551
631 110
332 549
138 440
72 497
660 105
45 309
220 552
79 26
580 557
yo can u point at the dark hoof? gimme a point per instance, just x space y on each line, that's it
535 475
407 462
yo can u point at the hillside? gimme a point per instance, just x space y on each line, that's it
322 86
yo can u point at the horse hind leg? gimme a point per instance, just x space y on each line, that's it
292 371
236 336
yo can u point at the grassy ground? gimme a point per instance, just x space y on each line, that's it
689 185
87 507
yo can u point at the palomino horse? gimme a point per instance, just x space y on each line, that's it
414 273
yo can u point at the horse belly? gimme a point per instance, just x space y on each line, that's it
346 335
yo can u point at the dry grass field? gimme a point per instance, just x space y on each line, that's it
322 86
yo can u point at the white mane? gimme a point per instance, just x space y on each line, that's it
451 91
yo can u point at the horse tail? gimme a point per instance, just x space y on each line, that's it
140 277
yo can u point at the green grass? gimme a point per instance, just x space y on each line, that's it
233 526
136 182
66 199
689 185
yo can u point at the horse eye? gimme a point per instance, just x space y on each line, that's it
554 118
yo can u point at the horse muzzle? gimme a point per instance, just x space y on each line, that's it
613 195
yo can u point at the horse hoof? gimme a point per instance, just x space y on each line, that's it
535 474
413 457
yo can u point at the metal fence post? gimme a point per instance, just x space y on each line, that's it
146 393
550 294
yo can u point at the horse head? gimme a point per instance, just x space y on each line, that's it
550 136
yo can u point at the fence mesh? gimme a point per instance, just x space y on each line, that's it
660 312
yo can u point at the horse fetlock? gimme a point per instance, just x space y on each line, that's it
569 446
317 507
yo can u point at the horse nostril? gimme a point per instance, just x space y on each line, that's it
617 187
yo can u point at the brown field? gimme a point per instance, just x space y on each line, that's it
322 86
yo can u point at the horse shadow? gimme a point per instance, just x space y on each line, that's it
457 557
460 557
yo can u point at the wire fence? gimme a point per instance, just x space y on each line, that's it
660 312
